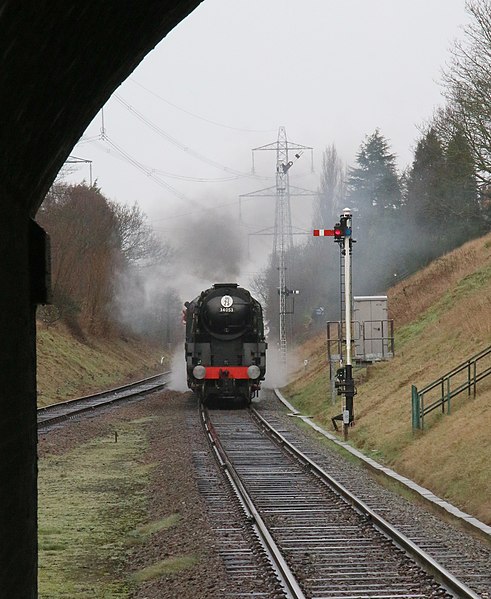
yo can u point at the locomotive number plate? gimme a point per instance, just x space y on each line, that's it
226 309
227 301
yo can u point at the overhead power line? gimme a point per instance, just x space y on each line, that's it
146 170
96 140
197 116
76 160
196 179
283 230
179 144
209 208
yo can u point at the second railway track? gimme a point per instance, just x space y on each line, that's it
321 545
59 412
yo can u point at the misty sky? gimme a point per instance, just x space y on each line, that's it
229 75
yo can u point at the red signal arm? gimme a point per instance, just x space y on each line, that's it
323 232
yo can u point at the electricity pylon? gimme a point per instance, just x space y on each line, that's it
283 233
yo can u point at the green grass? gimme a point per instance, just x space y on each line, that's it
451 457
465 287
144 532
90 499
172 565
69 367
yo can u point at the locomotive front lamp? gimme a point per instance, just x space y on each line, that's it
199 372
253 372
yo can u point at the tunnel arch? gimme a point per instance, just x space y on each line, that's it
60 62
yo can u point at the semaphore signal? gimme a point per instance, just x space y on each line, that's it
323 232
344 377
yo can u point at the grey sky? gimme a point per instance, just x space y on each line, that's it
328 70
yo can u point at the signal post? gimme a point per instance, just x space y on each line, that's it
344 384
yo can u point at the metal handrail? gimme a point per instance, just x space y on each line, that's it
336 337
470 366
384 337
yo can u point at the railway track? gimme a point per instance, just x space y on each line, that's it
285 535
59 412
320 540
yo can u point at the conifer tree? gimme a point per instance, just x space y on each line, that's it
374 196
442 199
373 185
461 216
426 183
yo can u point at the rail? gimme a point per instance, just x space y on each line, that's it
439 393
58 412
286 577
419 555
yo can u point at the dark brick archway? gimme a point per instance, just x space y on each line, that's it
59 63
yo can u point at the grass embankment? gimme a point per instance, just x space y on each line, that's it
88 504
442 317
69 367
93 504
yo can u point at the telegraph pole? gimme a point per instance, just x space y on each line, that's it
283 234
345 383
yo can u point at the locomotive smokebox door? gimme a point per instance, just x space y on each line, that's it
225 337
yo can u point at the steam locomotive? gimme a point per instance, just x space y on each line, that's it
225 345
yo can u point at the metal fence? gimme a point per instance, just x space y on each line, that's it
373 340
438 395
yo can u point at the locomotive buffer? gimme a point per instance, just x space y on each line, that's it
344 384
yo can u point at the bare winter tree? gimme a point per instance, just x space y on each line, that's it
331 190
93 241
137 239
467 83
85 252
259 287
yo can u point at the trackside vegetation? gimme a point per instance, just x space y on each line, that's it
70 366
442 318
90 500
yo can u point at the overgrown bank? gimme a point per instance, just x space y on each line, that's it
83 547
121 517
442 317
70 367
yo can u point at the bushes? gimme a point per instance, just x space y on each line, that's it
92 240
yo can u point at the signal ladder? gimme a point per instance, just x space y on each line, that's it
336 360
342 300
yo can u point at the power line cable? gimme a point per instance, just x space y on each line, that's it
203 208
196 179
147 171
97 142
180 145
197 116
85 140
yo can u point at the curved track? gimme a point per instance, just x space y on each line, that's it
322 540
56 413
